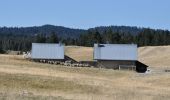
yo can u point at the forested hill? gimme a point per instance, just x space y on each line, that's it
20 39
119 29
62 32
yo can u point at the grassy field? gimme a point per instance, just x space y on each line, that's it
158 56
24 80
79 53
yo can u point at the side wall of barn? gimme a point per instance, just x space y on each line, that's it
116 64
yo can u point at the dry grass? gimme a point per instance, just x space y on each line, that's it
24 80
158 56
79 53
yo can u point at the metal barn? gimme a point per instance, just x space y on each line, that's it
47 51
116 56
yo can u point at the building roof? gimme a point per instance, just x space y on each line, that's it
115 52
47 51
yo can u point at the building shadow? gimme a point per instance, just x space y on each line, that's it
141 67
67 58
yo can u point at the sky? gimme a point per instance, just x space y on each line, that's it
84 14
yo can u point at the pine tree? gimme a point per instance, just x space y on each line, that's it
1 50
53 38
109 36
97 37
40 38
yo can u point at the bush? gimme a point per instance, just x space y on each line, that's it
2 51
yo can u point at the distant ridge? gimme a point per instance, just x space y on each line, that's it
64 32
45 29
121 29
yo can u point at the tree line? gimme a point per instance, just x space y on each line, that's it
147 37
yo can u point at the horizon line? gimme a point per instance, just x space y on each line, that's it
142 27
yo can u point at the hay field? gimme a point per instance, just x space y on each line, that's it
24 80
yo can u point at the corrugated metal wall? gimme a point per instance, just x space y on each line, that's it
115 52
47 51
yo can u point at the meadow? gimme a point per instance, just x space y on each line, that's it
21 79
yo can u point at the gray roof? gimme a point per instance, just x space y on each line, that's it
47 51
115 52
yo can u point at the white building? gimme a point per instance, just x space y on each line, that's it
116 56
47 51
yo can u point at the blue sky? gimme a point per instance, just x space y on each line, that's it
86 13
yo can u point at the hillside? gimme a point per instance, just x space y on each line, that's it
156 56
64 32
25 80
21 38
121 29
45 29
79 53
